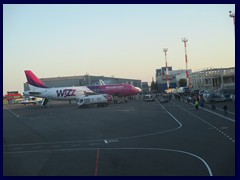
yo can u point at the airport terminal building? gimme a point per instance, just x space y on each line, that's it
84 80
221 79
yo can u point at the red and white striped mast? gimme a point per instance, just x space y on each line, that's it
185 45
165 51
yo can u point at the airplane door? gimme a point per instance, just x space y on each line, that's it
47 94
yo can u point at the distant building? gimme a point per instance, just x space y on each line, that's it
173 76
12 96
145 88
212 79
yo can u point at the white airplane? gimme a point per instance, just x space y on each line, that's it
39 89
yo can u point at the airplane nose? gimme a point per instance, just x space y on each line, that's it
138 89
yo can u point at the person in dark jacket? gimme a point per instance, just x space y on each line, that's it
225 108
213 106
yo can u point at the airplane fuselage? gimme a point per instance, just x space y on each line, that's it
116 89
61 93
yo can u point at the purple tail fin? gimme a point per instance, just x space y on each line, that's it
33 80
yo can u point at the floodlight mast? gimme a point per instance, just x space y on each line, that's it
232 15
186 61
165 51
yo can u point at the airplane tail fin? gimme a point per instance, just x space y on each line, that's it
33 80
102 82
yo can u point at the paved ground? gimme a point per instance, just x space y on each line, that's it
133 139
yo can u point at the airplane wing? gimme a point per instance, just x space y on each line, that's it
86 93
34 93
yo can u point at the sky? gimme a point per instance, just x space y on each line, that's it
124 41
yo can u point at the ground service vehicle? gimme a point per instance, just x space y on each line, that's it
227 97
92 100
31 100
148 97
183 90
215 98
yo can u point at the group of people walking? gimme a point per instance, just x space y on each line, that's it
225 107
198 100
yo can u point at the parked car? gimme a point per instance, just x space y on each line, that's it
215 98
164 99
203 92
148 97
183 90
232 96
227 97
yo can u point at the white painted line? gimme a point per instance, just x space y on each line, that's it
232 120
153 149
202 120
220 109
113 140
17 116
169 113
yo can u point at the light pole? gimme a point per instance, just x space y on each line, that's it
165 51
185 45
232 15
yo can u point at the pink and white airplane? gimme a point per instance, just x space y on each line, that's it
120 90
39 89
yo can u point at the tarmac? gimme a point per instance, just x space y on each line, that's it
131 139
